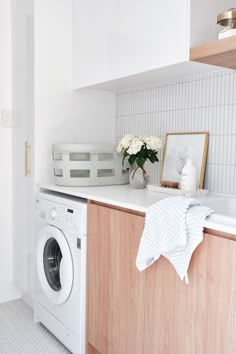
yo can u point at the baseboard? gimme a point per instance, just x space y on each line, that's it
28 299
8 292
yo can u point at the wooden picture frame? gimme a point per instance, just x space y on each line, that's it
178 147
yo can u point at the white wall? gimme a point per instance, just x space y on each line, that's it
203 21
5 154
5 57
61 114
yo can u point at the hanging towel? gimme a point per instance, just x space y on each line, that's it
173 228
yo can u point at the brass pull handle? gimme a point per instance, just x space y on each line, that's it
27 148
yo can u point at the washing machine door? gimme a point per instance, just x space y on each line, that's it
54 264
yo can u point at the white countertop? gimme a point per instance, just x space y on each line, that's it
140 199
120 195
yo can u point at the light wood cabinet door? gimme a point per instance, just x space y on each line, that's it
220 308
115 289
97 278
126 285
197 318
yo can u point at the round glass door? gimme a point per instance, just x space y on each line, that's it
52 258
54 264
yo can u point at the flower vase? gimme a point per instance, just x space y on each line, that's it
137 177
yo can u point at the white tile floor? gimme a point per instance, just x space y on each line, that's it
20 335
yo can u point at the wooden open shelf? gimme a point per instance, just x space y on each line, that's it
220 53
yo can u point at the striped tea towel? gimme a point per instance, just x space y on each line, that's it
173 228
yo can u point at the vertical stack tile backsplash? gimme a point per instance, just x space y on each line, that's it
205 102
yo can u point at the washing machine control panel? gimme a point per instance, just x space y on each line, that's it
62 216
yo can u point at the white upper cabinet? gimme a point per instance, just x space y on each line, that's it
114 39
146 36
117 38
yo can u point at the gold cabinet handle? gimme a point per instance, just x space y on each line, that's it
27 148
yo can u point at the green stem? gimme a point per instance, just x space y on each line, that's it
134 171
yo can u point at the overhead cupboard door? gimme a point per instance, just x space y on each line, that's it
54 264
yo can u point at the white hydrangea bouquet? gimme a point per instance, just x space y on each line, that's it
139 150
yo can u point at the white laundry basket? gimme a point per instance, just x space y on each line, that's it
88 165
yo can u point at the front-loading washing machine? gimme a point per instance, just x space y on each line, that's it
60 267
